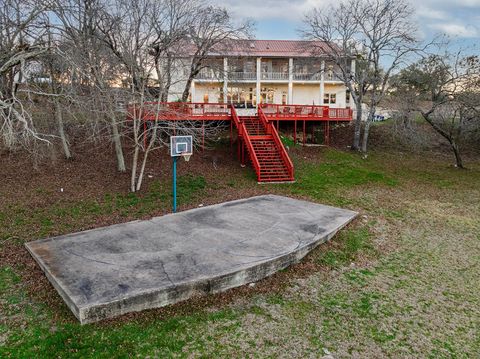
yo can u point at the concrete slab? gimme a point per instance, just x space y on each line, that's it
127 267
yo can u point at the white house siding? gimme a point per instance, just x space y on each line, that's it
212 89
341 93
306 94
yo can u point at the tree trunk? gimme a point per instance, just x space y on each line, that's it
118 145
365 136
186 91
61 131
133 177
358 124
142 170
456 151
448 137
366 131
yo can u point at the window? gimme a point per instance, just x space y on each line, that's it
267 95
326 98
330 98
347 99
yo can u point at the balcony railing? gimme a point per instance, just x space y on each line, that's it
242 76
209 75
265 76
307 76
274 76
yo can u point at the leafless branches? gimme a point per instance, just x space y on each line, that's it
446 92
378 35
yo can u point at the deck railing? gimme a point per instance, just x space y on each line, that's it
178 111
307 112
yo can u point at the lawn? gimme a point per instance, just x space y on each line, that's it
400 281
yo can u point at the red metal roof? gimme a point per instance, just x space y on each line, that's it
275 48
263 48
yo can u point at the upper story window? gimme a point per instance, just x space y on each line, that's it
329 99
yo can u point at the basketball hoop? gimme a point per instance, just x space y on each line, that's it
180 146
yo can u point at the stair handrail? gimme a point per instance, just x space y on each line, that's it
276 138
251 150
242 131
236 120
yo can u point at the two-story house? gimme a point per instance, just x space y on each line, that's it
249 72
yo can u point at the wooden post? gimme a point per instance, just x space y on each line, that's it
203 136
304 134
295 131
231 136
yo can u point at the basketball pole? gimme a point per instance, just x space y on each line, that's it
175 159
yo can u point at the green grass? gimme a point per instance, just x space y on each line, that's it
34 223
349 243
338 170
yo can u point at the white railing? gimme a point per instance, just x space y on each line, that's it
252 76
209 75
239 76
274 75
307 76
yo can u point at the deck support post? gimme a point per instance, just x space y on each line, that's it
231 136
203 136
326 133
243 154
294 132
304 130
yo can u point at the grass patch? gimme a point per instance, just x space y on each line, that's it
160 338
41 222
338 170
348 244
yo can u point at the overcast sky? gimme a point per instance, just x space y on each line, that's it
280 19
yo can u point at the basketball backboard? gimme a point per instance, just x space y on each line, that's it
181 146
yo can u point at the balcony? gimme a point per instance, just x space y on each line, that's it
274 76
242 76
307 76
209 74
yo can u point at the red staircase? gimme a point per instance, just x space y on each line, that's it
264 147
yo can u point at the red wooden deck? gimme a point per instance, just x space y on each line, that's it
257 135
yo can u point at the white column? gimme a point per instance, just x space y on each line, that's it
259 74
290 81
322 82
192 91
225 79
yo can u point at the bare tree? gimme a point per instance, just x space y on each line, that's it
447 89
378 34
212 27
96 70
21 42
